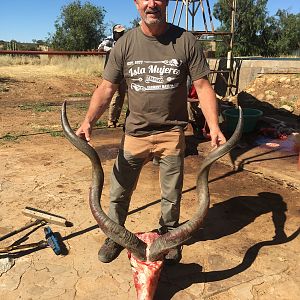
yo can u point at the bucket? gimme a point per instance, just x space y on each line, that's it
250 116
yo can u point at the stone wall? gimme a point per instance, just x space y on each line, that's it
247 69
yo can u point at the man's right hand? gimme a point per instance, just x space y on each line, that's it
85 131
98 104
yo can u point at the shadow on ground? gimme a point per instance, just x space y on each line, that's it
224 219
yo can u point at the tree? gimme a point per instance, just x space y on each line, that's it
289 35
250 21
269 38
79 27
281 34
256 33
135 22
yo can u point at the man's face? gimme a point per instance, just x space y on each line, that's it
152 11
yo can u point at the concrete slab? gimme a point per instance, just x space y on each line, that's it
247 248
272 159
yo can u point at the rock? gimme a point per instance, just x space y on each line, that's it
269 97
288 80
271 92
6 264
287 108
282 79
250 90
283 98
261 96
260 80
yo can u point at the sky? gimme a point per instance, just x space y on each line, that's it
25 20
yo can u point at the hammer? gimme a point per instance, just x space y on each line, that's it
41 217
51 241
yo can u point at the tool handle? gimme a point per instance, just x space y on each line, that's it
52 240
36 222
43 215
23 247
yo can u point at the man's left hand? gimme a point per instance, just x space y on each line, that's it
217 139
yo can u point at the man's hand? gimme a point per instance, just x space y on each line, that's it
209 107
98 104
217 138
85 131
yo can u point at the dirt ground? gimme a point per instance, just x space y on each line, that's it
247 249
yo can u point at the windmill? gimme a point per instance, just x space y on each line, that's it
196 16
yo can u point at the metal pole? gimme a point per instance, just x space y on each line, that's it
209 12
229 54
193 15
175 11
187 15
181 9
203 14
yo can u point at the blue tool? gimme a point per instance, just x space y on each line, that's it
52 240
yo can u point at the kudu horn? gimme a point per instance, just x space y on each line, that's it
120 234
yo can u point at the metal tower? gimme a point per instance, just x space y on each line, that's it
196 16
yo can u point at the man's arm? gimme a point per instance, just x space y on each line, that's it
209 107
98 104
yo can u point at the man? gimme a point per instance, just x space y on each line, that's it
155 60
117 101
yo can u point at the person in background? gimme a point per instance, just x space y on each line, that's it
155 59
196 117
117 101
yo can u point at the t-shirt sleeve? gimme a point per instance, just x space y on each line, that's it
198 66
113 71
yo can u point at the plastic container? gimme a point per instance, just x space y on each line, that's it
250 115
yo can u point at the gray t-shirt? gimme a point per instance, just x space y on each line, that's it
156 70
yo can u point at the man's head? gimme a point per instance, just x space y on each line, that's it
152 11
118 31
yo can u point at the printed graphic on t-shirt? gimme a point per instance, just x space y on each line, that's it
146 75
